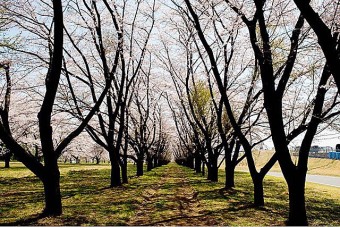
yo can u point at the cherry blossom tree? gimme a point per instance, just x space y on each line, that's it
277 82
4 109
121 58
327 30
52 23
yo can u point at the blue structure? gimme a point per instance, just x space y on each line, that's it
334 155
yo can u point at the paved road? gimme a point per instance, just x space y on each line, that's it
319 179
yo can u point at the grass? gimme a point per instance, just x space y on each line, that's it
322 202
318 166
168 195
18 170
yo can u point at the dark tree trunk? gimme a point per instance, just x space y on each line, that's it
51 183
140 171
198 164
203 169
297 206
229 175
36 155
124 172
7 160
209 172
125 163
213 169
258 191
115 167
190 162
51 179
115 174
149 164
229 171
213 173
155 162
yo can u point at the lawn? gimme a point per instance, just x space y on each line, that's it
168 195
318 166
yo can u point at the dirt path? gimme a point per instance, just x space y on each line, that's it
172 201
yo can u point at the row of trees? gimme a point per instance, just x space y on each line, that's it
251 71
83 67
242 72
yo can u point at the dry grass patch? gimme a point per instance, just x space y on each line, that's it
318 166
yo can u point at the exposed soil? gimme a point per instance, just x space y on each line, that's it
180 206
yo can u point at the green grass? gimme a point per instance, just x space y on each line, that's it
164 196
323 202
18 170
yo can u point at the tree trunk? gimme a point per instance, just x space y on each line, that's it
213 169
149 164
258 191
297 207
155 162
203 169
124 172
36 155
124 163
198 164
190 162
209 172
229 170
140 171
213 173
7 160
51 183
115 174
229 175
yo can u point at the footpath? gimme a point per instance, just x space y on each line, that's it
171 201
319 179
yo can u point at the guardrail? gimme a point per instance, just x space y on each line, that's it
318 155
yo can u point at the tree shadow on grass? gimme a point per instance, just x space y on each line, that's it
207 215
183 217
25 221
60 220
